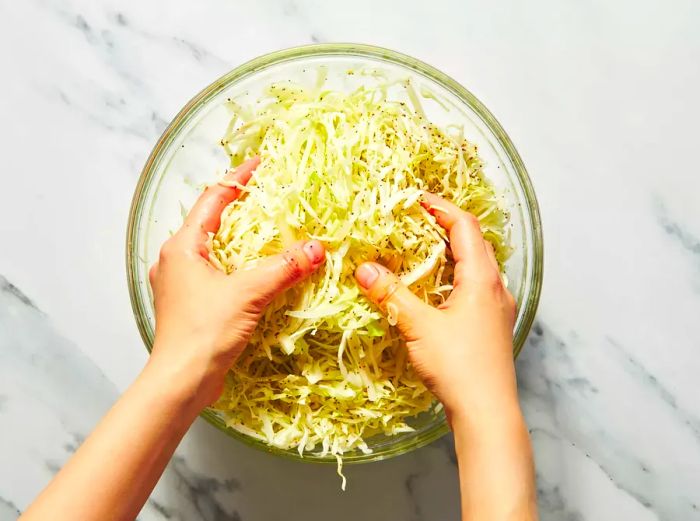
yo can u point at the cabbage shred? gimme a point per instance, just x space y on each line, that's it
325 370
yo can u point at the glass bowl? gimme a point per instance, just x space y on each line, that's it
188 154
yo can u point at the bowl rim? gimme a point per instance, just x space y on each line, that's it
529 303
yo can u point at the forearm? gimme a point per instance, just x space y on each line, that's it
114 471
495 464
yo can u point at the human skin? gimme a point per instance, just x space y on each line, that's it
463 351
204 319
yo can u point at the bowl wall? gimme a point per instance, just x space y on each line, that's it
188 155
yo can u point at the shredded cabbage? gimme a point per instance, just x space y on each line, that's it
325 370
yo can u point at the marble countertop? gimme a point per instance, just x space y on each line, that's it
600 98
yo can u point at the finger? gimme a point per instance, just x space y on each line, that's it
491 254
205 215
466 240
384 289
463 228
278 273
152 273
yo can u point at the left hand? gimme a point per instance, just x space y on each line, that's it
204 317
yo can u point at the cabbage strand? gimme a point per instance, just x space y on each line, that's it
325 370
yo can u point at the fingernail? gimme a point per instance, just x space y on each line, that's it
366 275
231 177
233 173
314 251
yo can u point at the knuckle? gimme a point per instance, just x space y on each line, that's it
152 273
489 284
293 267
468 218
384 288
168 250
492 280
387 291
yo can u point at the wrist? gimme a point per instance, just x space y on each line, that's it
191 384
486 417
491 391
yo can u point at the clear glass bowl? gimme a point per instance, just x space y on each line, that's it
188 154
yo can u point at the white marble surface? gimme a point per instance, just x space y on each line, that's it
601 99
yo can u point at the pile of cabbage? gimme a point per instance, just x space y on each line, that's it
325 370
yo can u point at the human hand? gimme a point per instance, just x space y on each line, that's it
463 349
205 317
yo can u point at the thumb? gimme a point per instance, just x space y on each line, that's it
278 273
384 289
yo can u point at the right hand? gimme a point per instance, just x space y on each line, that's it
462 350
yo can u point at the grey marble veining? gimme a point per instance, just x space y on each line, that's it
600 99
